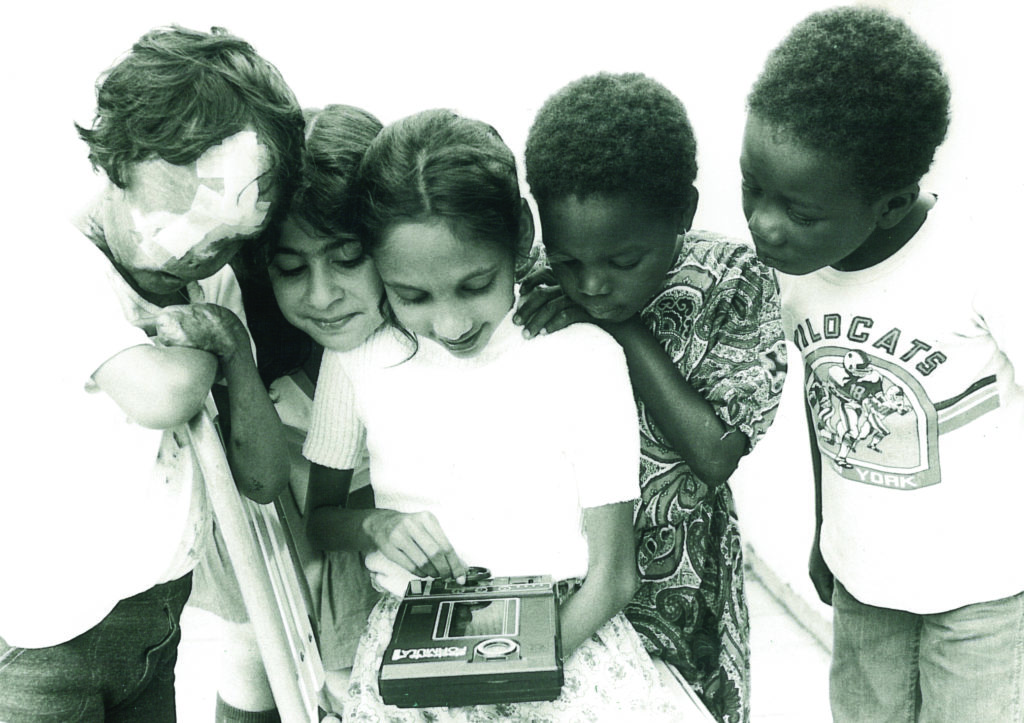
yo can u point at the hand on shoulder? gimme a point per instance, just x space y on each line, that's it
544 308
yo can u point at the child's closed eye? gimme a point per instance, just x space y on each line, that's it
288 271
749 187
799 219
406 299
478 287
625 264
347 255
347 263
561 260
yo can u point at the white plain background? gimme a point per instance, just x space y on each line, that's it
498 62
495 61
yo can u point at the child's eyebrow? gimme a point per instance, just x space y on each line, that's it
335 245
797 200
480 272
808 205
400 286
471 276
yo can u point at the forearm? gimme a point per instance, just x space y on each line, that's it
685 418
594 604
257 450
339 528
815 469
612 577
818 570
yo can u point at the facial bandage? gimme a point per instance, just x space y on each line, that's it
225 204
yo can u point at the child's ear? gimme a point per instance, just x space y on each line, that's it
893 207
687 210
527 230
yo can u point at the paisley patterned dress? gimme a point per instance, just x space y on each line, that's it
718 317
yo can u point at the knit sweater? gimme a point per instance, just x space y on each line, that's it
505 448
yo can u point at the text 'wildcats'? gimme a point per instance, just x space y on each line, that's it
860 331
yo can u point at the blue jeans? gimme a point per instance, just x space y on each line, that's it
121 670
961 666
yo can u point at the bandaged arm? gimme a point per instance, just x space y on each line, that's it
158 387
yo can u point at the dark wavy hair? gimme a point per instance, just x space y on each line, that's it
609 135
337 136
858 85
437 165
178 92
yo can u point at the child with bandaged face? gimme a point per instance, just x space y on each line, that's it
197 135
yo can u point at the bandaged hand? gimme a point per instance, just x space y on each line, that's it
208 327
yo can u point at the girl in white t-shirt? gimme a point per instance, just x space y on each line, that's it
486 449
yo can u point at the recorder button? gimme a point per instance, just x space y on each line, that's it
496 648
477 574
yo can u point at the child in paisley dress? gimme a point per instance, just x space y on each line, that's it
611 162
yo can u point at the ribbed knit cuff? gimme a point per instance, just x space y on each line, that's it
335 436
229 714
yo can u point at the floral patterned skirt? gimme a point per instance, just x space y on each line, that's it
610 677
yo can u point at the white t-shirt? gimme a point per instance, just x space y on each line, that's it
506 448
920 421
94 508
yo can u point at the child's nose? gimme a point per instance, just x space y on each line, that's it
766 226
322 290
593 283
452 324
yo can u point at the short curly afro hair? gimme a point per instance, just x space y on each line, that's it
611 134
858 85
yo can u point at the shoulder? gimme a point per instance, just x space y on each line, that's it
84 272
718 256
97 293
713 267
578 353
384 348
577 340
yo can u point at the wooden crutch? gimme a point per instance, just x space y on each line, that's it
274 591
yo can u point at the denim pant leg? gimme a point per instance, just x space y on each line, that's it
874 676
47 685
972 663
120 670
143 691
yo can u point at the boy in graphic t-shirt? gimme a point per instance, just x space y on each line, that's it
909 340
